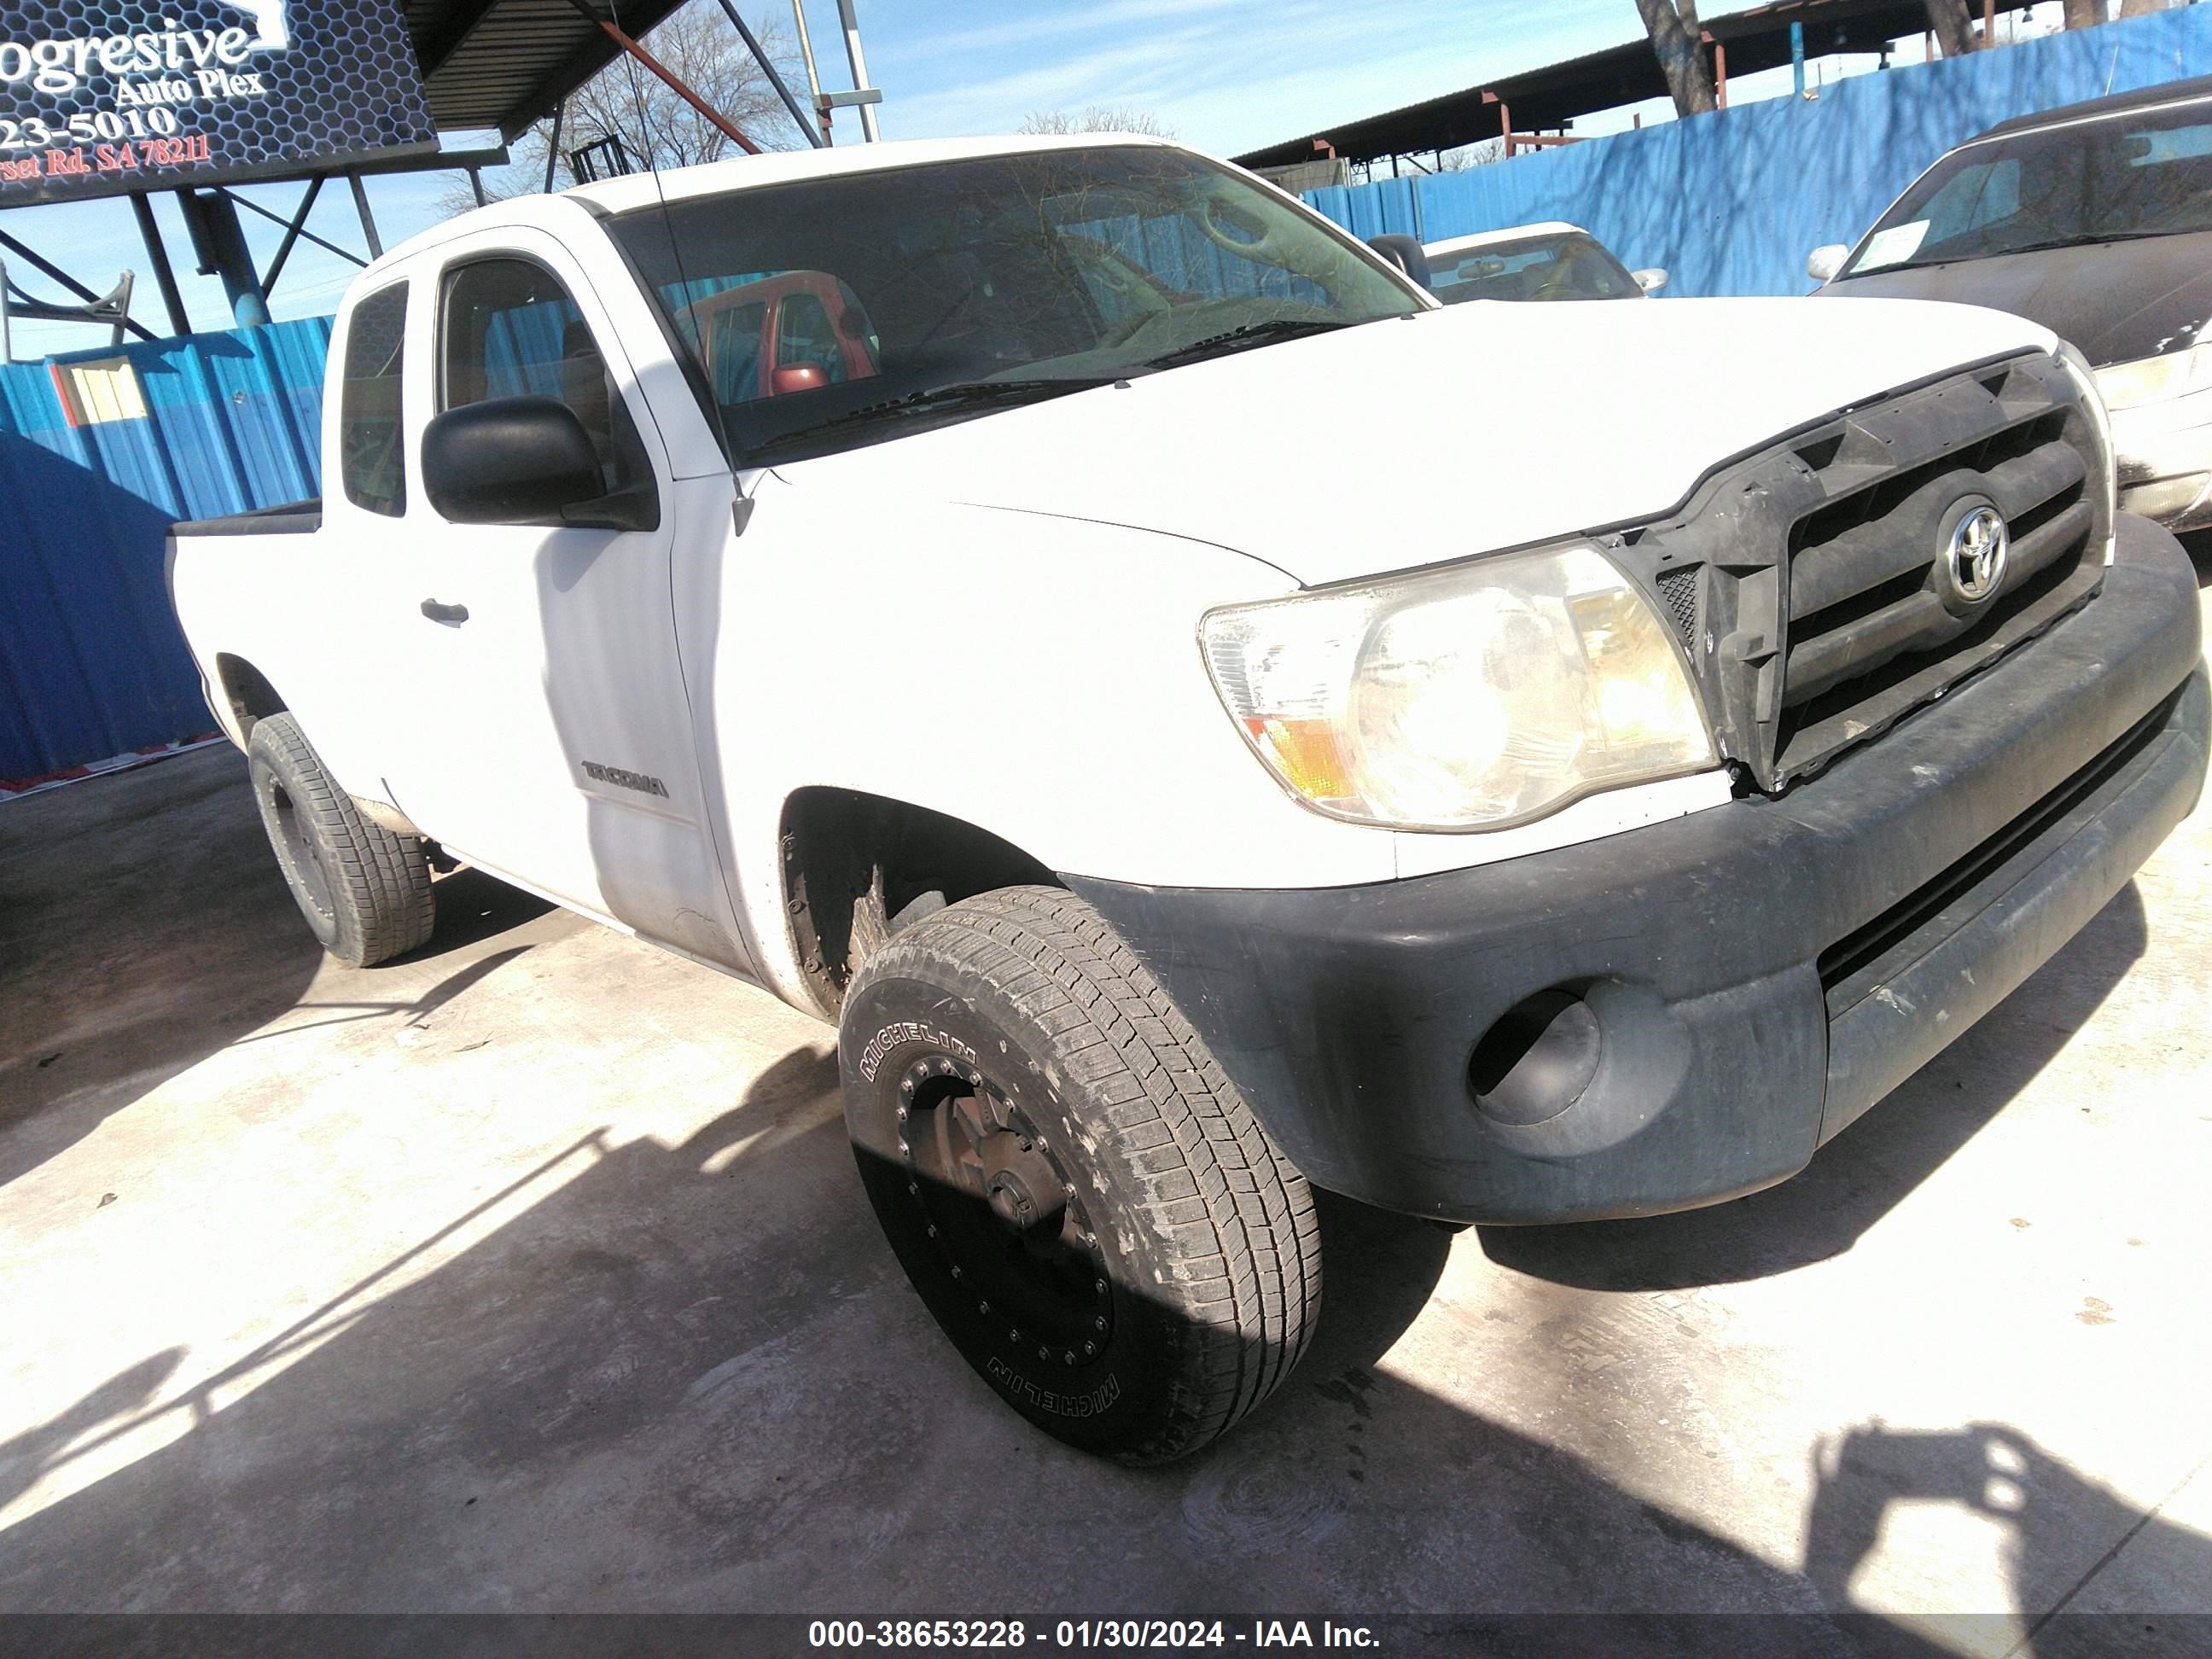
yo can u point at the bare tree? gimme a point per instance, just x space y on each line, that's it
1950 22
2137 7
655 127
1474 156
2084 14
1054 122
1673 27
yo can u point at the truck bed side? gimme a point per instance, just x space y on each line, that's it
288 519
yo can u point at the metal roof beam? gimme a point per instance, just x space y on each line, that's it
436 47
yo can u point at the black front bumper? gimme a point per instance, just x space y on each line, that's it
1760 973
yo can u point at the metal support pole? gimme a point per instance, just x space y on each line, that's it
367 219
813 78
1797 56
164 278
219 241
859 68
292 231
553 145
769 69
48 269
475 184
296 226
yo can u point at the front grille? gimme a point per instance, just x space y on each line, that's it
1809 581
1680 590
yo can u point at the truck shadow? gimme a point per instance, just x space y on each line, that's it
473 907
1866 1171
688 1378
101 1014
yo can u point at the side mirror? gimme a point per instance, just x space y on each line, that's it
797 377
523 460
1822 264
1404 252
1650 280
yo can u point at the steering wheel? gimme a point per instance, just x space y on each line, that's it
1556 281
1217 221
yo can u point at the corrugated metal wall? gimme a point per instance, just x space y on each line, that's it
1731 203
91 663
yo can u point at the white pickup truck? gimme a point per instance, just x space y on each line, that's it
1201 716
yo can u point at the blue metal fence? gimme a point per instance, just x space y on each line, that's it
1731 203
91 663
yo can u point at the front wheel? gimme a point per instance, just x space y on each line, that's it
1078 1193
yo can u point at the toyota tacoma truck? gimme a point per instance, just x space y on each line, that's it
1040 604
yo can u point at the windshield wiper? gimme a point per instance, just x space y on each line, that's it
954 395
2091 238
1275 328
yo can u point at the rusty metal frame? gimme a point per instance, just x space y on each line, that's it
669 78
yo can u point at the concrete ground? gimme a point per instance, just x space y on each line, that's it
533 1273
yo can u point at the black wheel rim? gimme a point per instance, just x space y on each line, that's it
287 827
1003 1210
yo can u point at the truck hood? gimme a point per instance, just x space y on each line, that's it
2117 300
1454 432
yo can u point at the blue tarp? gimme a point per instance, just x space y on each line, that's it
91 663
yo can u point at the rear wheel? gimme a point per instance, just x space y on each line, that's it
365 891
1080 1195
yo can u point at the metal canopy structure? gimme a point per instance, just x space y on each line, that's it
507 64
1549 98
500 64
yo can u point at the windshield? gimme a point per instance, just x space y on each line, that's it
952 290
2147 175
1541 268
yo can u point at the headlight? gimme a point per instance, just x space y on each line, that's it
2100 422
2154 379
1469 699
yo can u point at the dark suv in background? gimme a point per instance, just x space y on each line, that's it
2094 220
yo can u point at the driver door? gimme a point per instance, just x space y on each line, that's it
556 747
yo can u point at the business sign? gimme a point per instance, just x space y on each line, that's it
99 97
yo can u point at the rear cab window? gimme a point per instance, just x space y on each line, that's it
371 446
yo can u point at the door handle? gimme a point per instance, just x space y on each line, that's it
445 613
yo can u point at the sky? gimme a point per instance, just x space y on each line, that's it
1226 75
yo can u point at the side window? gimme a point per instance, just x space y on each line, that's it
804 336
510 330
371 449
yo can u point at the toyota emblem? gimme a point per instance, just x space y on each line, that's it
1974 558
